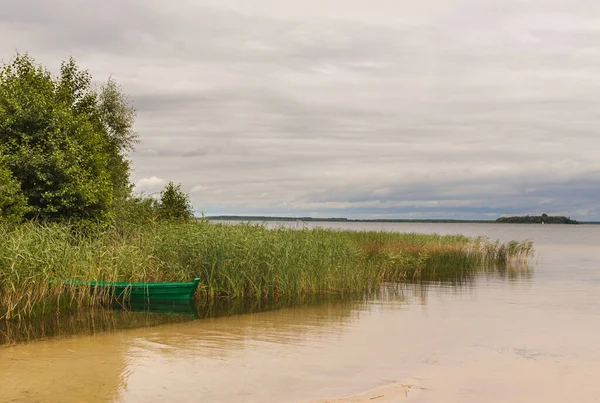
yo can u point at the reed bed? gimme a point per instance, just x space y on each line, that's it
232 261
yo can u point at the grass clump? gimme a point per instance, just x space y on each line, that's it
232 261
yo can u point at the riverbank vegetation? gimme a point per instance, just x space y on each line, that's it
232 261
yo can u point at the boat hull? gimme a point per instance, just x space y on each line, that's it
144 292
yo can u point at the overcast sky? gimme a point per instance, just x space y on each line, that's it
348 108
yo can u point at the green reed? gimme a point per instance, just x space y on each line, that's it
232 261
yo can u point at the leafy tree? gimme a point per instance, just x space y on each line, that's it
65 144
174 203
118 116
13 204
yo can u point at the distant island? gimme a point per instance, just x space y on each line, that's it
546 219
540 219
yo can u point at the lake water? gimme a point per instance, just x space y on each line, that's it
529 337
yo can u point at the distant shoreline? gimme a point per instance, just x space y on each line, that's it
383 220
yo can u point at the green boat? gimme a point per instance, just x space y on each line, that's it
143 292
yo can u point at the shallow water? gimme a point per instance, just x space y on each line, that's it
529 337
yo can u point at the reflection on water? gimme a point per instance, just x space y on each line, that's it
85 322
119 317
100 320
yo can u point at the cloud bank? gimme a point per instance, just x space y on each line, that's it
384 109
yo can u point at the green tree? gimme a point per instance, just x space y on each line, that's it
65 144
174 203
118 116
13 204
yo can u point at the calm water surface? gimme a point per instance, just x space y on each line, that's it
530 337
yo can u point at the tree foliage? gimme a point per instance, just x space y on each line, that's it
174 203
65 144
118 116
13 204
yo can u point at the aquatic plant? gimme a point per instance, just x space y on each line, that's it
232 261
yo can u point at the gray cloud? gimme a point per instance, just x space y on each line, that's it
440 108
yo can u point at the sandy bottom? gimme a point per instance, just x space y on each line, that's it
386 394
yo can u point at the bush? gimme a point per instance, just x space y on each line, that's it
175 204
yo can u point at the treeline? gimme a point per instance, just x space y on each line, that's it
339 219
542 219
64 149
270 218
515 220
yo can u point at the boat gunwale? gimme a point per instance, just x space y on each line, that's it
94 283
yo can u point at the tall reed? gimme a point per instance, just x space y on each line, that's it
231 260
